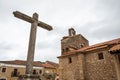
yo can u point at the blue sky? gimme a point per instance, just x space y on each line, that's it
97 20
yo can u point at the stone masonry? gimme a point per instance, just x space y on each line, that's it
79 61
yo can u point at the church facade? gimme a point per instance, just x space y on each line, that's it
79 61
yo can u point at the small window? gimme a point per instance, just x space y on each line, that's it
70 60
40 71
15 72
63 50
3 70
100 56
82 45
67 49
34 72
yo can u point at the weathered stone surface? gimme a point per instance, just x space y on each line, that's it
84 63
99 69
29 77
34 23
75 41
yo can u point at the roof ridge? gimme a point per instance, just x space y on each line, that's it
106 42
95 46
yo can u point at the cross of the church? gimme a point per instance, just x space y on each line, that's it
34 23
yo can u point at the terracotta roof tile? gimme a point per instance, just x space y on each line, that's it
48 65
115 48
17 62
93 47
21 62
53 63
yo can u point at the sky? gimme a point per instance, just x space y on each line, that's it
96 20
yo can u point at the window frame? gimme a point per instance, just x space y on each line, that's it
101 56
40 71
15 71
35 71
3 71
70 60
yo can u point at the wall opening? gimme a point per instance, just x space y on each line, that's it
70 60
100 56
3 69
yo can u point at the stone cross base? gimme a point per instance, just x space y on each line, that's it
29 77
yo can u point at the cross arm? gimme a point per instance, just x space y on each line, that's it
31 20
23 16
44 25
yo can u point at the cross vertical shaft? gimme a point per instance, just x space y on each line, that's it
30 57
31 48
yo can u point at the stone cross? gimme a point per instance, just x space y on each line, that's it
34 23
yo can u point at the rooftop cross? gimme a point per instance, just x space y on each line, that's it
34 23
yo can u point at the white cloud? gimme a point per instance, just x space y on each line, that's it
97 20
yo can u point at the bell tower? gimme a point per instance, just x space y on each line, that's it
73 41
71 32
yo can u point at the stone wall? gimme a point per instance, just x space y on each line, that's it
8 74
9 71
96 69
73 70
87 66
76 41
96 64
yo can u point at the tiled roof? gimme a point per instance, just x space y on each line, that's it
93 47
46 65
22 62
16 62
36 63
115 48
52 63
49 64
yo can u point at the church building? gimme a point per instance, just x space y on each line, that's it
80 61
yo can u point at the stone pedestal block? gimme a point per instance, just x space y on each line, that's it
29 77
